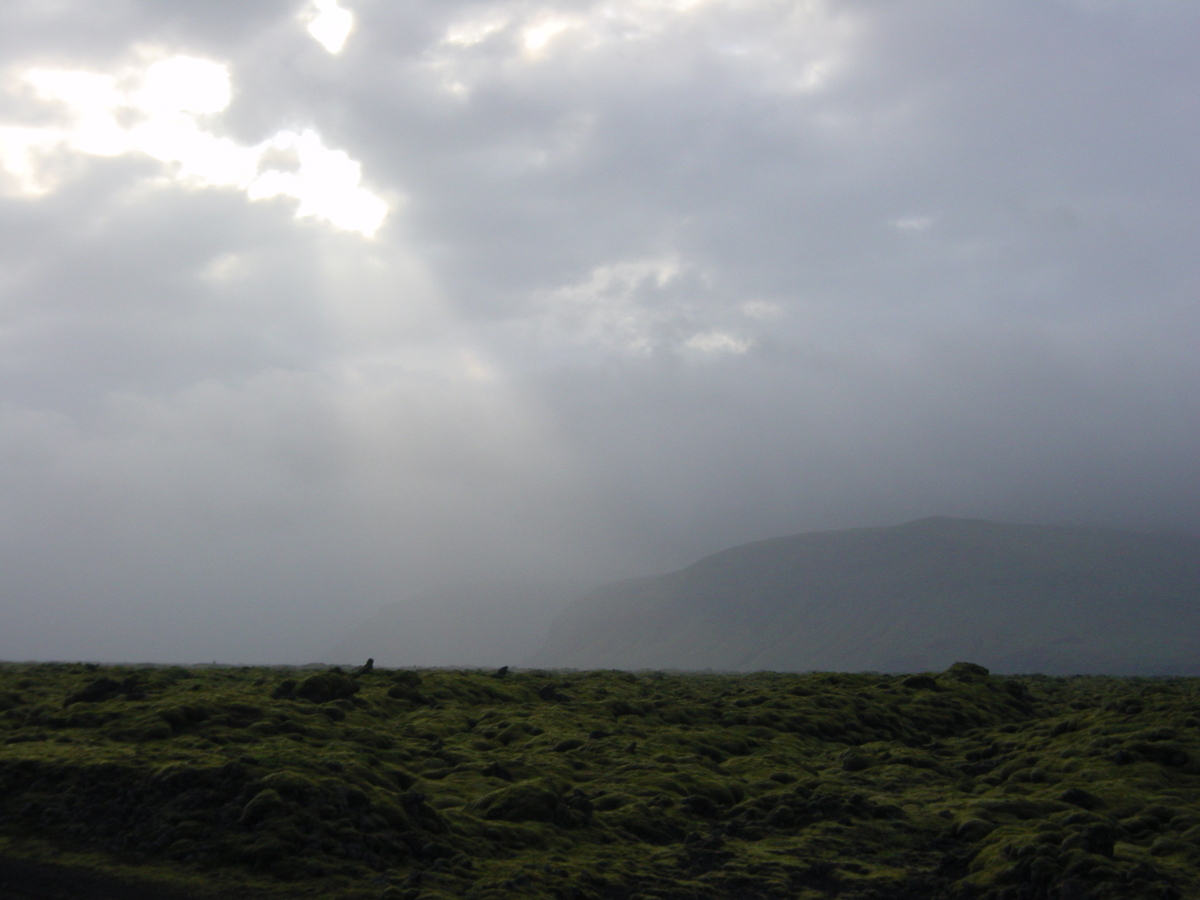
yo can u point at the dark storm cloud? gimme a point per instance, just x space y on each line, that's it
656 278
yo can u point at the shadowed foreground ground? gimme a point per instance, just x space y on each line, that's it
171 783
31 881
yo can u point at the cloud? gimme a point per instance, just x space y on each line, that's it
637 308
717 342
329 24
162 110
644 280
914 223
615 306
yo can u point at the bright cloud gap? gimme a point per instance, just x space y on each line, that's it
329 24
160 111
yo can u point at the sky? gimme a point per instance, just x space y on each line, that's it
311 307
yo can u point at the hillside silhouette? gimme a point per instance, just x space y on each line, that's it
913 597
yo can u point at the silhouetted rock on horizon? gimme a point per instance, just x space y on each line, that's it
906 598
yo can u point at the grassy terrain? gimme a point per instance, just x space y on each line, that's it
256 782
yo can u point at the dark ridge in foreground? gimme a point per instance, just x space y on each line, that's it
177 784
915 597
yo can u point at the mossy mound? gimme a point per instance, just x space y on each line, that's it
326 686
957 785
537 800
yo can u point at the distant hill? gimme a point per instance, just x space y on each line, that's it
915 597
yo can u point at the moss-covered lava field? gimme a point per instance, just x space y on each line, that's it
254 782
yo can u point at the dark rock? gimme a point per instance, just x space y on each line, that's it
853 761
1163 752
702 854
551 694
526 801
502 672
1081 798
965 671
973 830
1016 690
95 692
579 803
404 779
1098 839
406 692
262 805
412 802
495 770
562 816
181 717
920 683
1166 846
620 708
781 816
697 805
326 686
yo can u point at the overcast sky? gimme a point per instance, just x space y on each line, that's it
307 308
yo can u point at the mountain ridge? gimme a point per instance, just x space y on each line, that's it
907 597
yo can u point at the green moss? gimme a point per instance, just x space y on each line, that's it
277 783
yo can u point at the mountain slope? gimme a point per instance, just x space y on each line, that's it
1015 598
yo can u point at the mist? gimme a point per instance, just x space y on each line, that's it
553 294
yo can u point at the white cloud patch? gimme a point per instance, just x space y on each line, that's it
638 307
717 342
178 85
613 307
914 223
164 110
761 309
472 31
326 182
800 52
536 37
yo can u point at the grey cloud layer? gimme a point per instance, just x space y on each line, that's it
657 278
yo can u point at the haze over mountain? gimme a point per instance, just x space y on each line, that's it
1015 598
310 307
